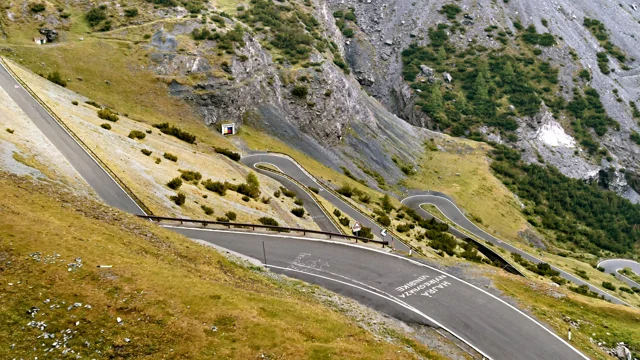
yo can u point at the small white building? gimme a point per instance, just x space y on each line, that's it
40 40
228 129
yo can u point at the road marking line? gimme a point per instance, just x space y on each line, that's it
403 258
404 305
500 243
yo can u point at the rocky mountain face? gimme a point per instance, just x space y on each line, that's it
370 115
386 28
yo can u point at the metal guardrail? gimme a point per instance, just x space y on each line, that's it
77 138
260 226
329 189
305 189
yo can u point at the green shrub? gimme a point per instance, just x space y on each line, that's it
146 152
626 289
231 215
107 114
105 126
131 12
402 228
188 175
37 7
246 198
337 212
266 200
450 10
608 285
93 103
384 220
175 183
300 91
179 199
207 210
345 190
298 201
344 221
276 193
299 212
222 219
10 131
74 103
268 221
165 128
366 233
135 134
364 198
56 78
170 157
95 16
314 189
215 186
228 153
288 193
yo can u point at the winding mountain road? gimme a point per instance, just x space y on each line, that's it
402 287
455 215
612 266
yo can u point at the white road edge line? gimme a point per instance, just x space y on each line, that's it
74 139
506 244
406 306
399 257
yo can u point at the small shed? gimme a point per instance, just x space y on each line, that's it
228 129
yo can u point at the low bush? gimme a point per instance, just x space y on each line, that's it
175 183
188 175
366 233
37 7
337 212
245 198
314 189
95 15
608 285
345 221
402 228
228 153
107 114
179 199
165 128
276 193
299 212
105 126
584 290
345 190
10 131
268 221
222 219
215 186
135 134
265 200
207 210
231 215
298 202
74 103
384 220
56 78
626 289
131 12
146 152
170 157
93 103
287 192
300 91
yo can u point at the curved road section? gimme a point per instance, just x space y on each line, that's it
401 287
613 265
101 182
455 215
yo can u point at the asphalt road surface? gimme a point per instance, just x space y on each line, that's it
613 265
290 168
453 213
402 288
101 182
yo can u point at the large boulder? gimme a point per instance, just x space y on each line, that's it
50 34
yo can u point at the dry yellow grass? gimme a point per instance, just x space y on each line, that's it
167 290
462 171
599 320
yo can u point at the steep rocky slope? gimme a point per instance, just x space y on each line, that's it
385 30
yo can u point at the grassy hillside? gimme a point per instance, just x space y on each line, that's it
163 295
